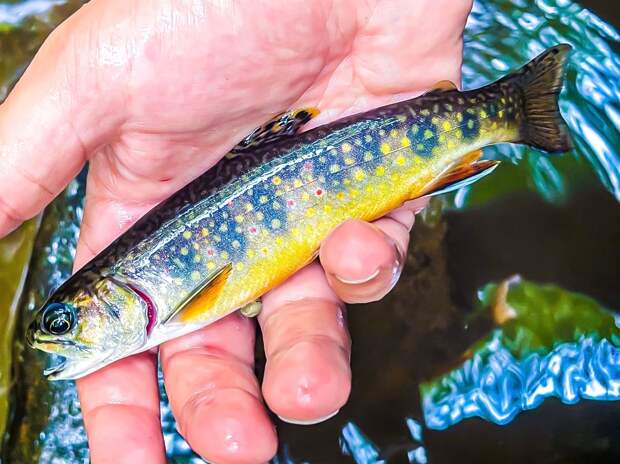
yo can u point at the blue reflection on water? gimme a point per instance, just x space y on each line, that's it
354 443
496 386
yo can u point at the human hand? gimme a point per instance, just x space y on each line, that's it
153 93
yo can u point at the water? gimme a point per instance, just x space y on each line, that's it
549 343
548 219
591 98
47 425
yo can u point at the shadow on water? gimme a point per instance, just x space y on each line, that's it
549 219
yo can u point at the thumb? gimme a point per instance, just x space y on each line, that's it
49 124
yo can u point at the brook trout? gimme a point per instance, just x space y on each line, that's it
261 213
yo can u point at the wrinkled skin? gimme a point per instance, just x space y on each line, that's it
153 93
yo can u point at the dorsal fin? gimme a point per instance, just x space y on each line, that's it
202 300
279 127
466 172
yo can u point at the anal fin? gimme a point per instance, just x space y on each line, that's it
277 128
203 299
466 172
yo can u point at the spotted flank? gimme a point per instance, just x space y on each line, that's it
261 213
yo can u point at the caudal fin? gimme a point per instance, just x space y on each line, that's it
540 82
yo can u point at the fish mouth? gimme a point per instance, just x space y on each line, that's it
49 345
55 368
74 368
41 344
63 367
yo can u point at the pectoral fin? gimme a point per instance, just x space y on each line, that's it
468 171
203 299
281 126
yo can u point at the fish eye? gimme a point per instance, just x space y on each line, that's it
58 319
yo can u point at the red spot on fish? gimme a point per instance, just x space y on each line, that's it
308 166
210 251
252 230
319 192
290 202
151 312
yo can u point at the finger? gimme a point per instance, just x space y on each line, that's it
307 374
363 261
214 394
50 123
120 405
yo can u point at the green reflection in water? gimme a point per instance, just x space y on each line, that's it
549 343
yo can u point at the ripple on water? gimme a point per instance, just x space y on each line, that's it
504 34
496 386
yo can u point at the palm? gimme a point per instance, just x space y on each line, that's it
165 89
187 97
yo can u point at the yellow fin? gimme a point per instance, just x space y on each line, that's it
203 299
466 172
277 128
445 85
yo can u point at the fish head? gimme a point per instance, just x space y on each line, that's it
89 326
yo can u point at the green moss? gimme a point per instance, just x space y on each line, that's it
547 315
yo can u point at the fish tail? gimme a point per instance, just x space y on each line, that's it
539 83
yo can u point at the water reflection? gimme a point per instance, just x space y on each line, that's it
503 34
556 344
354 443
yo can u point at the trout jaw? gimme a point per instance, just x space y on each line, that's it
65 368
68 367
75 368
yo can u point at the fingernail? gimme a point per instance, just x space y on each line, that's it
398 265
363 280
309 421
394 269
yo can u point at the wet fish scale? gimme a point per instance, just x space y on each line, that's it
282 210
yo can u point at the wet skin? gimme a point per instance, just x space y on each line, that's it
153 93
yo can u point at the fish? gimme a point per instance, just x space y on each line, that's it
260 214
